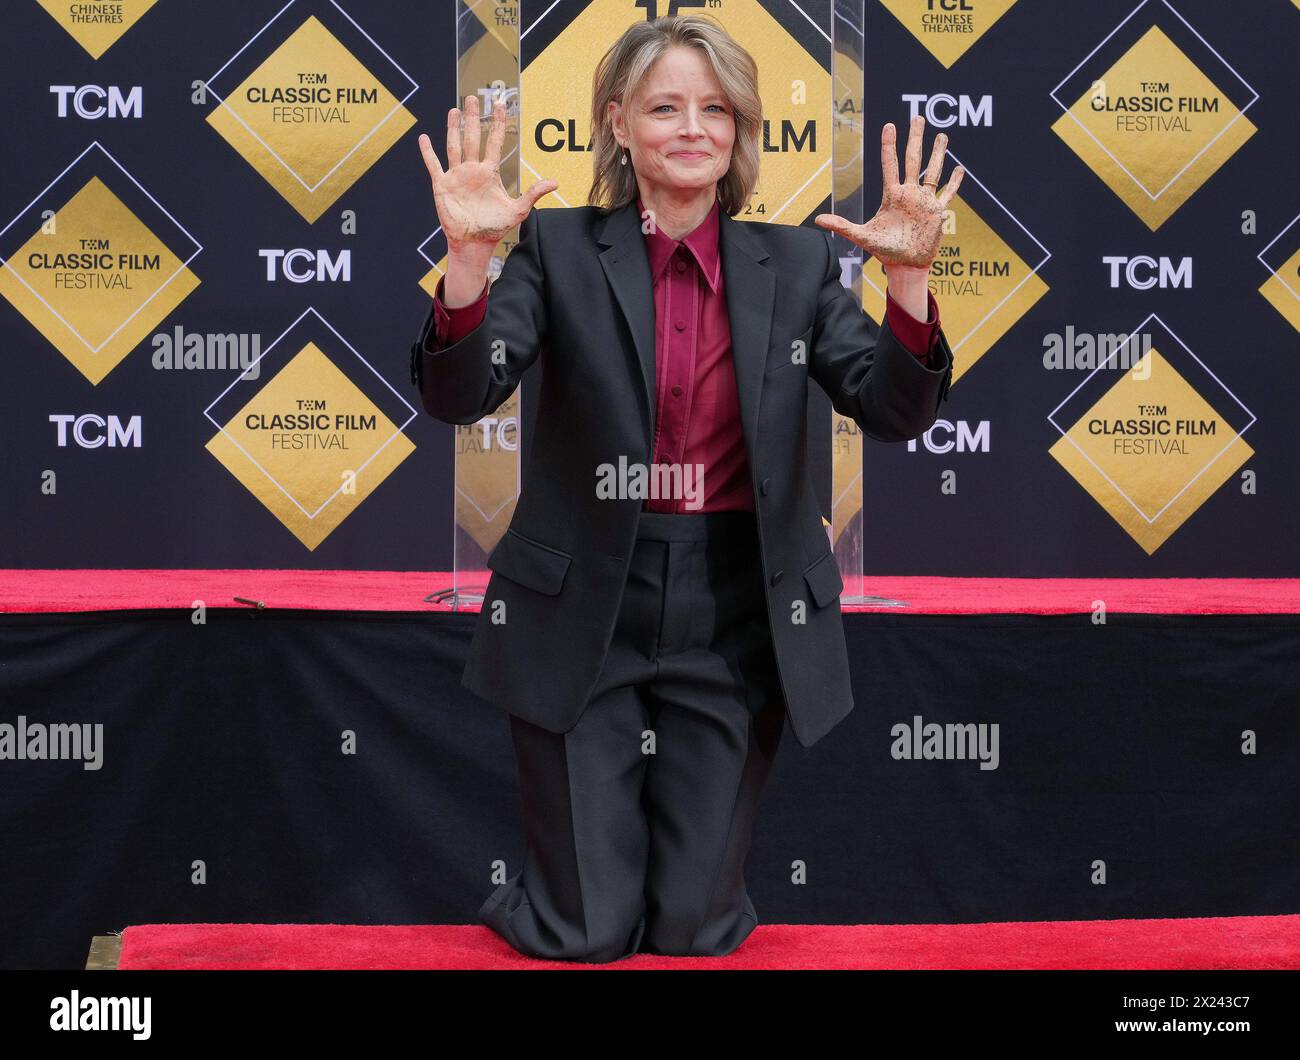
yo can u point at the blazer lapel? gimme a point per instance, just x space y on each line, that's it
749 288
627 266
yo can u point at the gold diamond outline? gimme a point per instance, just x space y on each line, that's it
1241 112
1276 274
271 478
311 188
1032 272
1150 520
4 261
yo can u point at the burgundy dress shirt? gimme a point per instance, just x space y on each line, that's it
697 406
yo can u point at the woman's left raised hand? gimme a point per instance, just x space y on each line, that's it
908 227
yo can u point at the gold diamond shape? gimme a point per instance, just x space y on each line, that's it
1151 483
1282 290
947 35
797 179
300 470
108 307
96 37
1155 161
982 285
311 162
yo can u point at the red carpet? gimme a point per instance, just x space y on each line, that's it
1244 942
108 590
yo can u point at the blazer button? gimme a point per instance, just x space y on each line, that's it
764 486
777 576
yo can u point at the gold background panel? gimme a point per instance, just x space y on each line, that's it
98 315
846 472
311 149
557 85
1153 158
301 486
1151 494
945 39
1285 300
97 37
487 474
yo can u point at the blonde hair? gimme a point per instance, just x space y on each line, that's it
619 75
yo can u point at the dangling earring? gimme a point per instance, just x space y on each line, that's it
624 158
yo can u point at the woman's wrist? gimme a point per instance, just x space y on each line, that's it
467 271
907 270
909 286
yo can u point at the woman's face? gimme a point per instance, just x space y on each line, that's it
679 129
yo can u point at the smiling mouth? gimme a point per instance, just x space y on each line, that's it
689 154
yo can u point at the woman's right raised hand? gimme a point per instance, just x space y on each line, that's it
474 208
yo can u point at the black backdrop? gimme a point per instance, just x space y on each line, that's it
168 503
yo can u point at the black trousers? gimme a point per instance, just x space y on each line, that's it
638 819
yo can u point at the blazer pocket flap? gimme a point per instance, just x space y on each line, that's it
529 562
781 354
823 578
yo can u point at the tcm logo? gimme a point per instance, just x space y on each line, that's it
307 266
503 430
94 102
948 437
1143 272
90 431
944 110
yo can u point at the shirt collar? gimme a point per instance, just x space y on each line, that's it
701 241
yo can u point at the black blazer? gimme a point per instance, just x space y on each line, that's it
576 292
